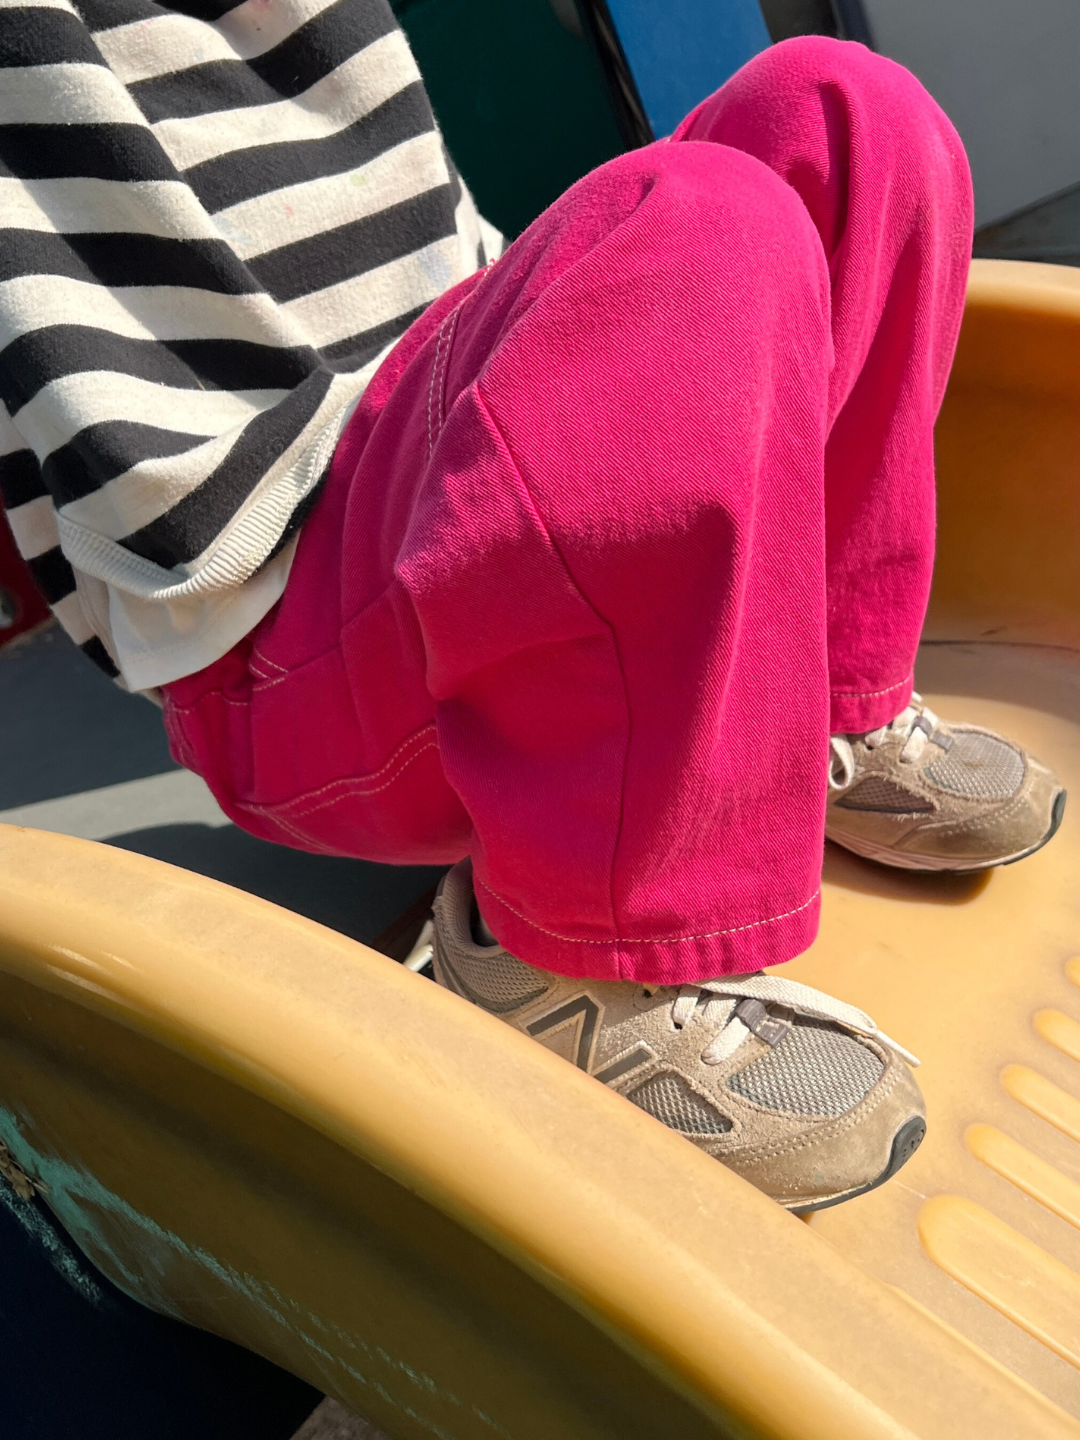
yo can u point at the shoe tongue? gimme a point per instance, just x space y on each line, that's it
761 1022
918 717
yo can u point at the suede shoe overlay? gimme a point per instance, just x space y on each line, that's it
798 1092
923 795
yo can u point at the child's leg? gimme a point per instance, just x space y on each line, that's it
884 177
633 639
579 526
563 607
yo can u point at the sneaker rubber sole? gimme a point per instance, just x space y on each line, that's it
905 1142
921 864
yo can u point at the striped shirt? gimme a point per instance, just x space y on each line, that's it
215 220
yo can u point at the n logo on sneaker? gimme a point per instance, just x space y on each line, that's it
641 1055
584 1015
576 1024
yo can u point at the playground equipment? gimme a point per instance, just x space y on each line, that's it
264 1128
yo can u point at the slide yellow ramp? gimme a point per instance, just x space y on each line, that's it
980 975
264 1128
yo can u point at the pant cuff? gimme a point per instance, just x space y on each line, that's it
674 960
853 713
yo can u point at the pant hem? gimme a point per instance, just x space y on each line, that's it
675 960
854 712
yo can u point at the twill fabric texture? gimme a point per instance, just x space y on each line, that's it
214 221
620 530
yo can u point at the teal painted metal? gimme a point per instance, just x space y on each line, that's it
521 99
680 51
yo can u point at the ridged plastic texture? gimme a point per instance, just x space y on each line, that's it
977 974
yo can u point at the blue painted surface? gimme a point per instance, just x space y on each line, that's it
682 50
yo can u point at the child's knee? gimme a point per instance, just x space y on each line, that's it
793 88
711 213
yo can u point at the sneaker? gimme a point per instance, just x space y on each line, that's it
800 1094
923 795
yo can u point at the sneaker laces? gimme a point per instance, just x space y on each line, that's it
918 725
720 1003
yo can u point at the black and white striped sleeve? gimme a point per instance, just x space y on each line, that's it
214 221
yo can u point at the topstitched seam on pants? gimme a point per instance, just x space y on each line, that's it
305 841
267 682
267 661
180 740
218 690
648 940
453 318
868 694
356 788
431 391
347 784
436 408
217 694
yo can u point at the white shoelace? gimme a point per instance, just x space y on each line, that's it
917 723
724 995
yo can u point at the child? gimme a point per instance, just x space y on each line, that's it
623 527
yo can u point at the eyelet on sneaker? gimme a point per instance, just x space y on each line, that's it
783 1137
998 801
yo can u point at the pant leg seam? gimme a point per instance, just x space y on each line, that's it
648 939
215 694
440 367
351 786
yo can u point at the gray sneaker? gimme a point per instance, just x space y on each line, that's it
923 795
800 1094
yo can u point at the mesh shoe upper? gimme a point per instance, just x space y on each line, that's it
670 1099
816 1069
885 796
799 1092
923 795
496 981
979 764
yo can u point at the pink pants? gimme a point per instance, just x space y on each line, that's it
622 528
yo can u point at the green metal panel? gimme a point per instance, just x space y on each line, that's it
521 100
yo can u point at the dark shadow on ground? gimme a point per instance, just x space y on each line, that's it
67 728
356 897
851 872
81 1361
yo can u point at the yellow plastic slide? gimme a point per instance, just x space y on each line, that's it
262 1127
